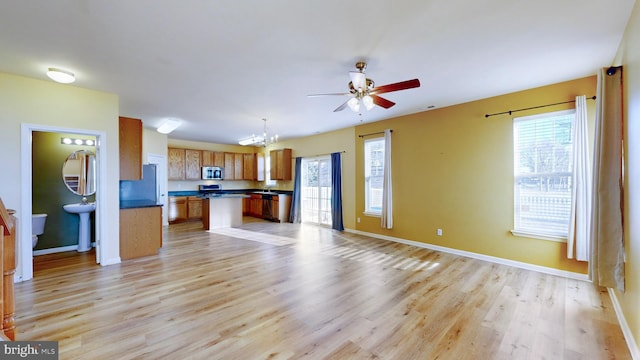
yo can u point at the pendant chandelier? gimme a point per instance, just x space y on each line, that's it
257 140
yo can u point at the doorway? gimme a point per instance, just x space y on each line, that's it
24 251
316 190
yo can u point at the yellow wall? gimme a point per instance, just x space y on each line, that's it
629 54
453 169
48 104
324 144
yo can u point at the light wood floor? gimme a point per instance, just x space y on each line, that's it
306 292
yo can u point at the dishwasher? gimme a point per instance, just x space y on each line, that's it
267 207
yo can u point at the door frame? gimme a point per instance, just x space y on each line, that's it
24 268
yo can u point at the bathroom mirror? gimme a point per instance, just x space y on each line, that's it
79 172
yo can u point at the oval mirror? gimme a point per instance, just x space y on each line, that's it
79 172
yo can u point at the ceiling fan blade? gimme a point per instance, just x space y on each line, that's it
358 79
341 107
380 101
330 94
403 85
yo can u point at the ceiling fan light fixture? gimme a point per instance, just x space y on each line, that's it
354 104
61 76
368 102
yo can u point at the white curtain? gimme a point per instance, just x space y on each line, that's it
606 265
580 225
386 221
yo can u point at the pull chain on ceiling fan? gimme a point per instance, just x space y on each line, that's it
363 90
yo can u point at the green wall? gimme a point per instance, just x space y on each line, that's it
50 192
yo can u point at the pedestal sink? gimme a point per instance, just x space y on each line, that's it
84 229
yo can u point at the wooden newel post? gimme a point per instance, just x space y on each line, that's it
8 223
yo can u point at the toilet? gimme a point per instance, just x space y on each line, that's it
37 227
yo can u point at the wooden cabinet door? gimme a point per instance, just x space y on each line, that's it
207 158
281 164
176 160
140 232
238 166
194 208
177 208
130 147
218 158
229 166
249 167
192 165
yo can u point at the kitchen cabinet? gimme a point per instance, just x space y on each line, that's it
281 164
280 207
130 147
207 158
194 208
140 232
238 166
212 158
176 160
249 167
177 208
184 208
192 165
229 166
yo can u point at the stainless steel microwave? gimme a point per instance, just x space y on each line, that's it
212 173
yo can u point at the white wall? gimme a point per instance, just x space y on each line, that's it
629 57
47 104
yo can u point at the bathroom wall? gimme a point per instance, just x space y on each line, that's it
50 192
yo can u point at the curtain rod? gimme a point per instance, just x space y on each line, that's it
534 107
375 133
316 155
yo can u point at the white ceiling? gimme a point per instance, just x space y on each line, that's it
221 66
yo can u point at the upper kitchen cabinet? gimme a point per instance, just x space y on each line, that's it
249 167
176 159
212 158
184 164
281 164
130 138
192 164
229 166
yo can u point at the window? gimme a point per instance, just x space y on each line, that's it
373 175
543 174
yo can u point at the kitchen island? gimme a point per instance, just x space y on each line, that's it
220 211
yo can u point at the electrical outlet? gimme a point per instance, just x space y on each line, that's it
358 220
439 232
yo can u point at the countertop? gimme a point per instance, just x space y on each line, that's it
227 192
131 204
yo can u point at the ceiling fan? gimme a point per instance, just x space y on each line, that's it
363 90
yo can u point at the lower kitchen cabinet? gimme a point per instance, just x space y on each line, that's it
140 232
185 208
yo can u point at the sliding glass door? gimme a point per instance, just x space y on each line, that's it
316 190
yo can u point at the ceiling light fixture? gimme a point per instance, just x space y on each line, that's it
168 126
61 76
263 140
72 141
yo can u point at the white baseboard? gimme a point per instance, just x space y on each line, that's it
628 335
112 261
55 250
493 259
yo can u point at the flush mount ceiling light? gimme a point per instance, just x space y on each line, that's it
168 126
263 140
61 76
